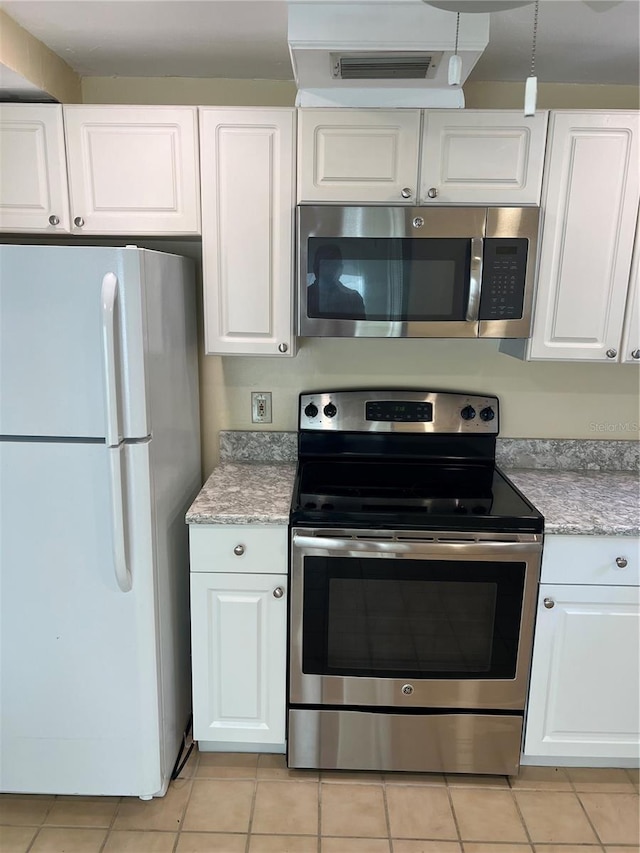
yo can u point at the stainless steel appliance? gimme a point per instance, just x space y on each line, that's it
414 571
416 272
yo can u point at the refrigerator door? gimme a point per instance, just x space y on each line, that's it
72 342
80 697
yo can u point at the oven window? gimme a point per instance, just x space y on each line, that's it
389 279
391 618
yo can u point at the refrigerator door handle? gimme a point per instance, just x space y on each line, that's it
109 298
122 570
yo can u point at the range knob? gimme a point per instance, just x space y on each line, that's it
311 410
487 414
330 410
468 413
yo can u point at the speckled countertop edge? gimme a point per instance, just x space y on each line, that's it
583 487
600 503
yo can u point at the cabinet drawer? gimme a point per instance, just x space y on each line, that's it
591 560
260 549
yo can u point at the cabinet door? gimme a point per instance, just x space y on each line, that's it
482 157
133 170
247 247
33 172
630 349
358 156
238 637
585 686
590 208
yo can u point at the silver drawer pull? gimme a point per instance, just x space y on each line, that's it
549 603
278 592
238 550
621 562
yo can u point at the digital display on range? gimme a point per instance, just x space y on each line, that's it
404 411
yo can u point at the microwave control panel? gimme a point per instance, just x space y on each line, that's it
504 267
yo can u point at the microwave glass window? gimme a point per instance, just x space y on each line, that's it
396 279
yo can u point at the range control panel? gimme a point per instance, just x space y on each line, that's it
399 411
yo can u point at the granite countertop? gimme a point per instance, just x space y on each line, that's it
604 503
597 503
245 493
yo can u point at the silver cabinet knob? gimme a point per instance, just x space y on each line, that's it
238 550
621 562
407 689
282 347
432 192
549 603
611 353
406 192
78 222
635 354
418 222
54 220
278 592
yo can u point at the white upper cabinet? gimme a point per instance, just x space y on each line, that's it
630 350
358 155
33 174
592 187
133 170
248 162
482 157
462 156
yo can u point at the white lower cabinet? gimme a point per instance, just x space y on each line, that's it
238 637
584 702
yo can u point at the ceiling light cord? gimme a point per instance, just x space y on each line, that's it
531 86
535 38
455 62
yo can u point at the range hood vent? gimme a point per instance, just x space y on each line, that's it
381 66
379 53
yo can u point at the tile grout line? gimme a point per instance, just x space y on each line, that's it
111 823
319 837
385 804
183 813
521 816
453 812
252 810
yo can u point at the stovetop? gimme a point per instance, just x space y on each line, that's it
410 495
404 460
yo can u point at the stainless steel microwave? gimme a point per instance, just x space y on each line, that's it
416 272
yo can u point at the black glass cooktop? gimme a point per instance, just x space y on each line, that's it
409 494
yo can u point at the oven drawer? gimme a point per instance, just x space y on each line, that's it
438 743
242 548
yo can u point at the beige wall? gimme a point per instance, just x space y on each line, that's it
278 93
27 56
538 400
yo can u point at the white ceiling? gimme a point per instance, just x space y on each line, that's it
248 39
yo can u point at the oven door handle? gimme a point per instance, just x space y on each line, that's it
392 547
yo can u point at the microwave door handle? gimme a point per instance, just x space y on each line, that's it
475 280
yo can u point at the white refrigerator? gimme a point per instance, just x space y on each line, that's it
99 460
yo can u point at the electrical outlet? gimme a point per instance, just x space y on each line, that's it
261 407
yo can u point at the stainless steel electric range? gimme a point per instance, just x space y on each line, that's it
414 566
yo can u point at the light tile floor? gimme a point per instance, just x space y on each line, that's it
235 803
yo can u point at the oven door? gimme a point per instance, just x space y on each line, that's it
412 620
